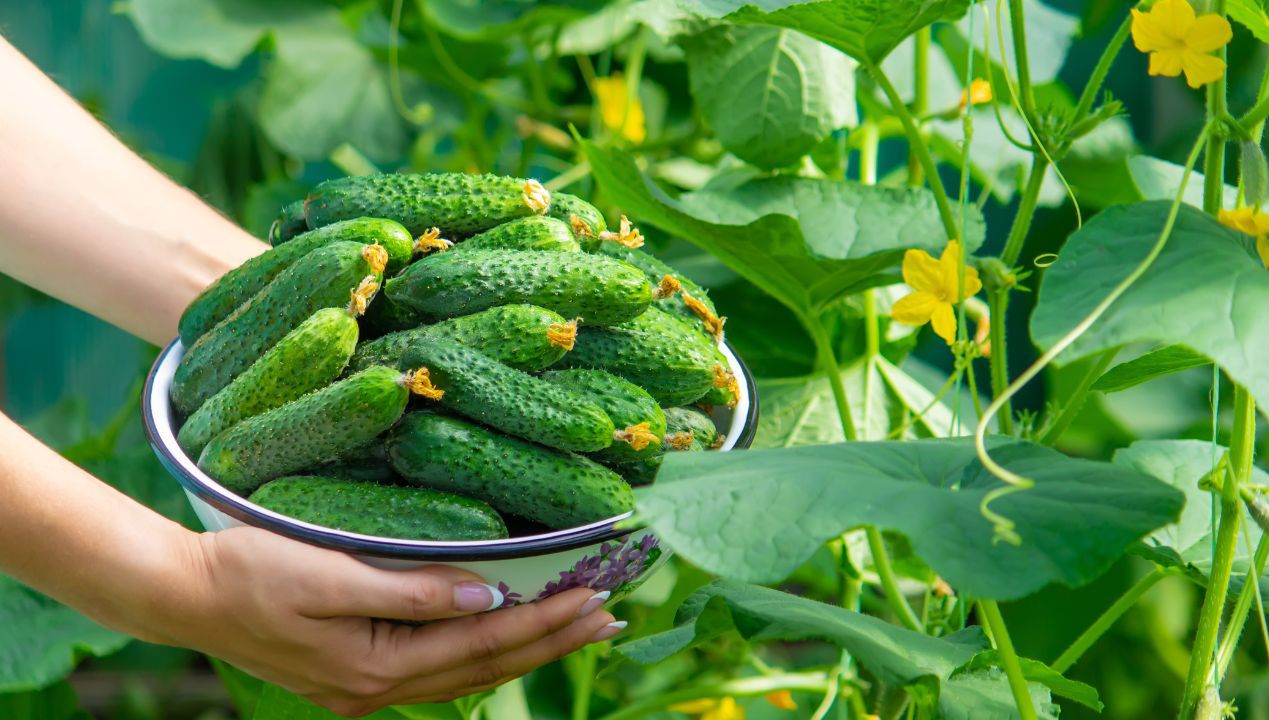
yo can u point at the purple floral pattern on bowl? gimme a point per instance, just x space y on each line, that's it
616 566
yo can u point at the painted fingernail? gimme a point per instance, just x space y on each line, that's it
609 630
476 597
595 602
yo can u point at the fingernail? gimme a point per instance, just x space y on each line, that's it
476 597
608 631
595 602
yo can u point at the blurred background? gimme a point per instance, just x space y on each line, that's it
251 115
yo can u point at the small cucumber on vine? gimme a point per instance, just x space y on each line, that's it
639 420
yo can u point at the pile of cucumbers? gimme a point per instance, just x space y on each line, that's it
438 356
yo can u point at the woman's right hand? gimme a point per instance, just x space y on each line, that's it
299 616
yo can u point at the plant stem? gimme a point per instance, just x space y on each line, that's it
1008 658
1256 114
1085 105
1107 619
828 362
998 302
916 145
872 326
1238 618
890 583
582 676
920 95
1018 27
1076 401
1026 212
743 687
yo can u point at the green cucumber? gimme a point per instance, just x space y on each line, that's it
525 337
289 223
317 427
383 510
639 420
307 358
687 430
726 388
322 278
530 233
455 202
556 489
507 399
237 286
585 219
655 351
599 290
679 303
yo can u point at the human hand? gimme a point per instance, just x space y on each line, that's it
299 616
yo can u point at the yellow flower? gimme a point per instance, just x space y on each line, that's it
979 92
934 283
618 115
712 709
1252 222
782 699
1180 42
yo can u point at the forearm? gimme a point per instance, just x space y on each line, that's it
85 220
81 541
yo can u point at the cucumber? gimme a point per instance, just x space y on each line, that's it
307 358
530 233
655 351
599 290
691 303
585 219
726 388
318 280
687 430
455 202
238 285
317 427
368 463
525 337
384 510
559 490
289 223
507 399
639 420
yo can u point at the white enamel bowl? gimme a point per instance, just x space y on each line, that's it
598 556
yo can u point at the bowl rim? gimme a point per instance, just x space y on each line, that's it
158 417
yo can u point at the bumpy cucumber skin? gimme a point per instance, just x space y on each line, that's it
565 207
307 431
725 395
514 335
626 403
559 490
654 351
530 233
454 202
322 278
677 420
384 510
309 357
514 402
238 285
656 269
289 223
597 289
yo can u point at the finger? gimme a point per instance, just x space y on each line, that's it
407 652
346 587
497 670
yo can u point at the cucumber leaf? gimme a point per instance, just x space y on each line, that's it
756 516
803 241
1207 290
1156 363
1252 15
1038 672
770 94
221 32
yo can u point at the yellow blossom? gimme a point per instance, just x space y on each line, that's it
712 709
934 284
782 699
618 113
1178 41
1252 222
979 92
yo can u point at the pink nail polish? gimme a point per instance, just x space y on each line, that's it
476 597
608 631
595 602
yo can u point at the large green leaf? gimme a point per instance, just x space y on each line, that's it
757 515
222 32
42 640
1207 290
1037 671
805 242
1251 14
866 30
770 94
1156 363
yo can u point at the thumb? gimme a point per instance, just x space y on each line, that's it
428 593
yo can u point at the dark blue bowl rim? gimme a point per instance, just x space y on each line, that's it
531 545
